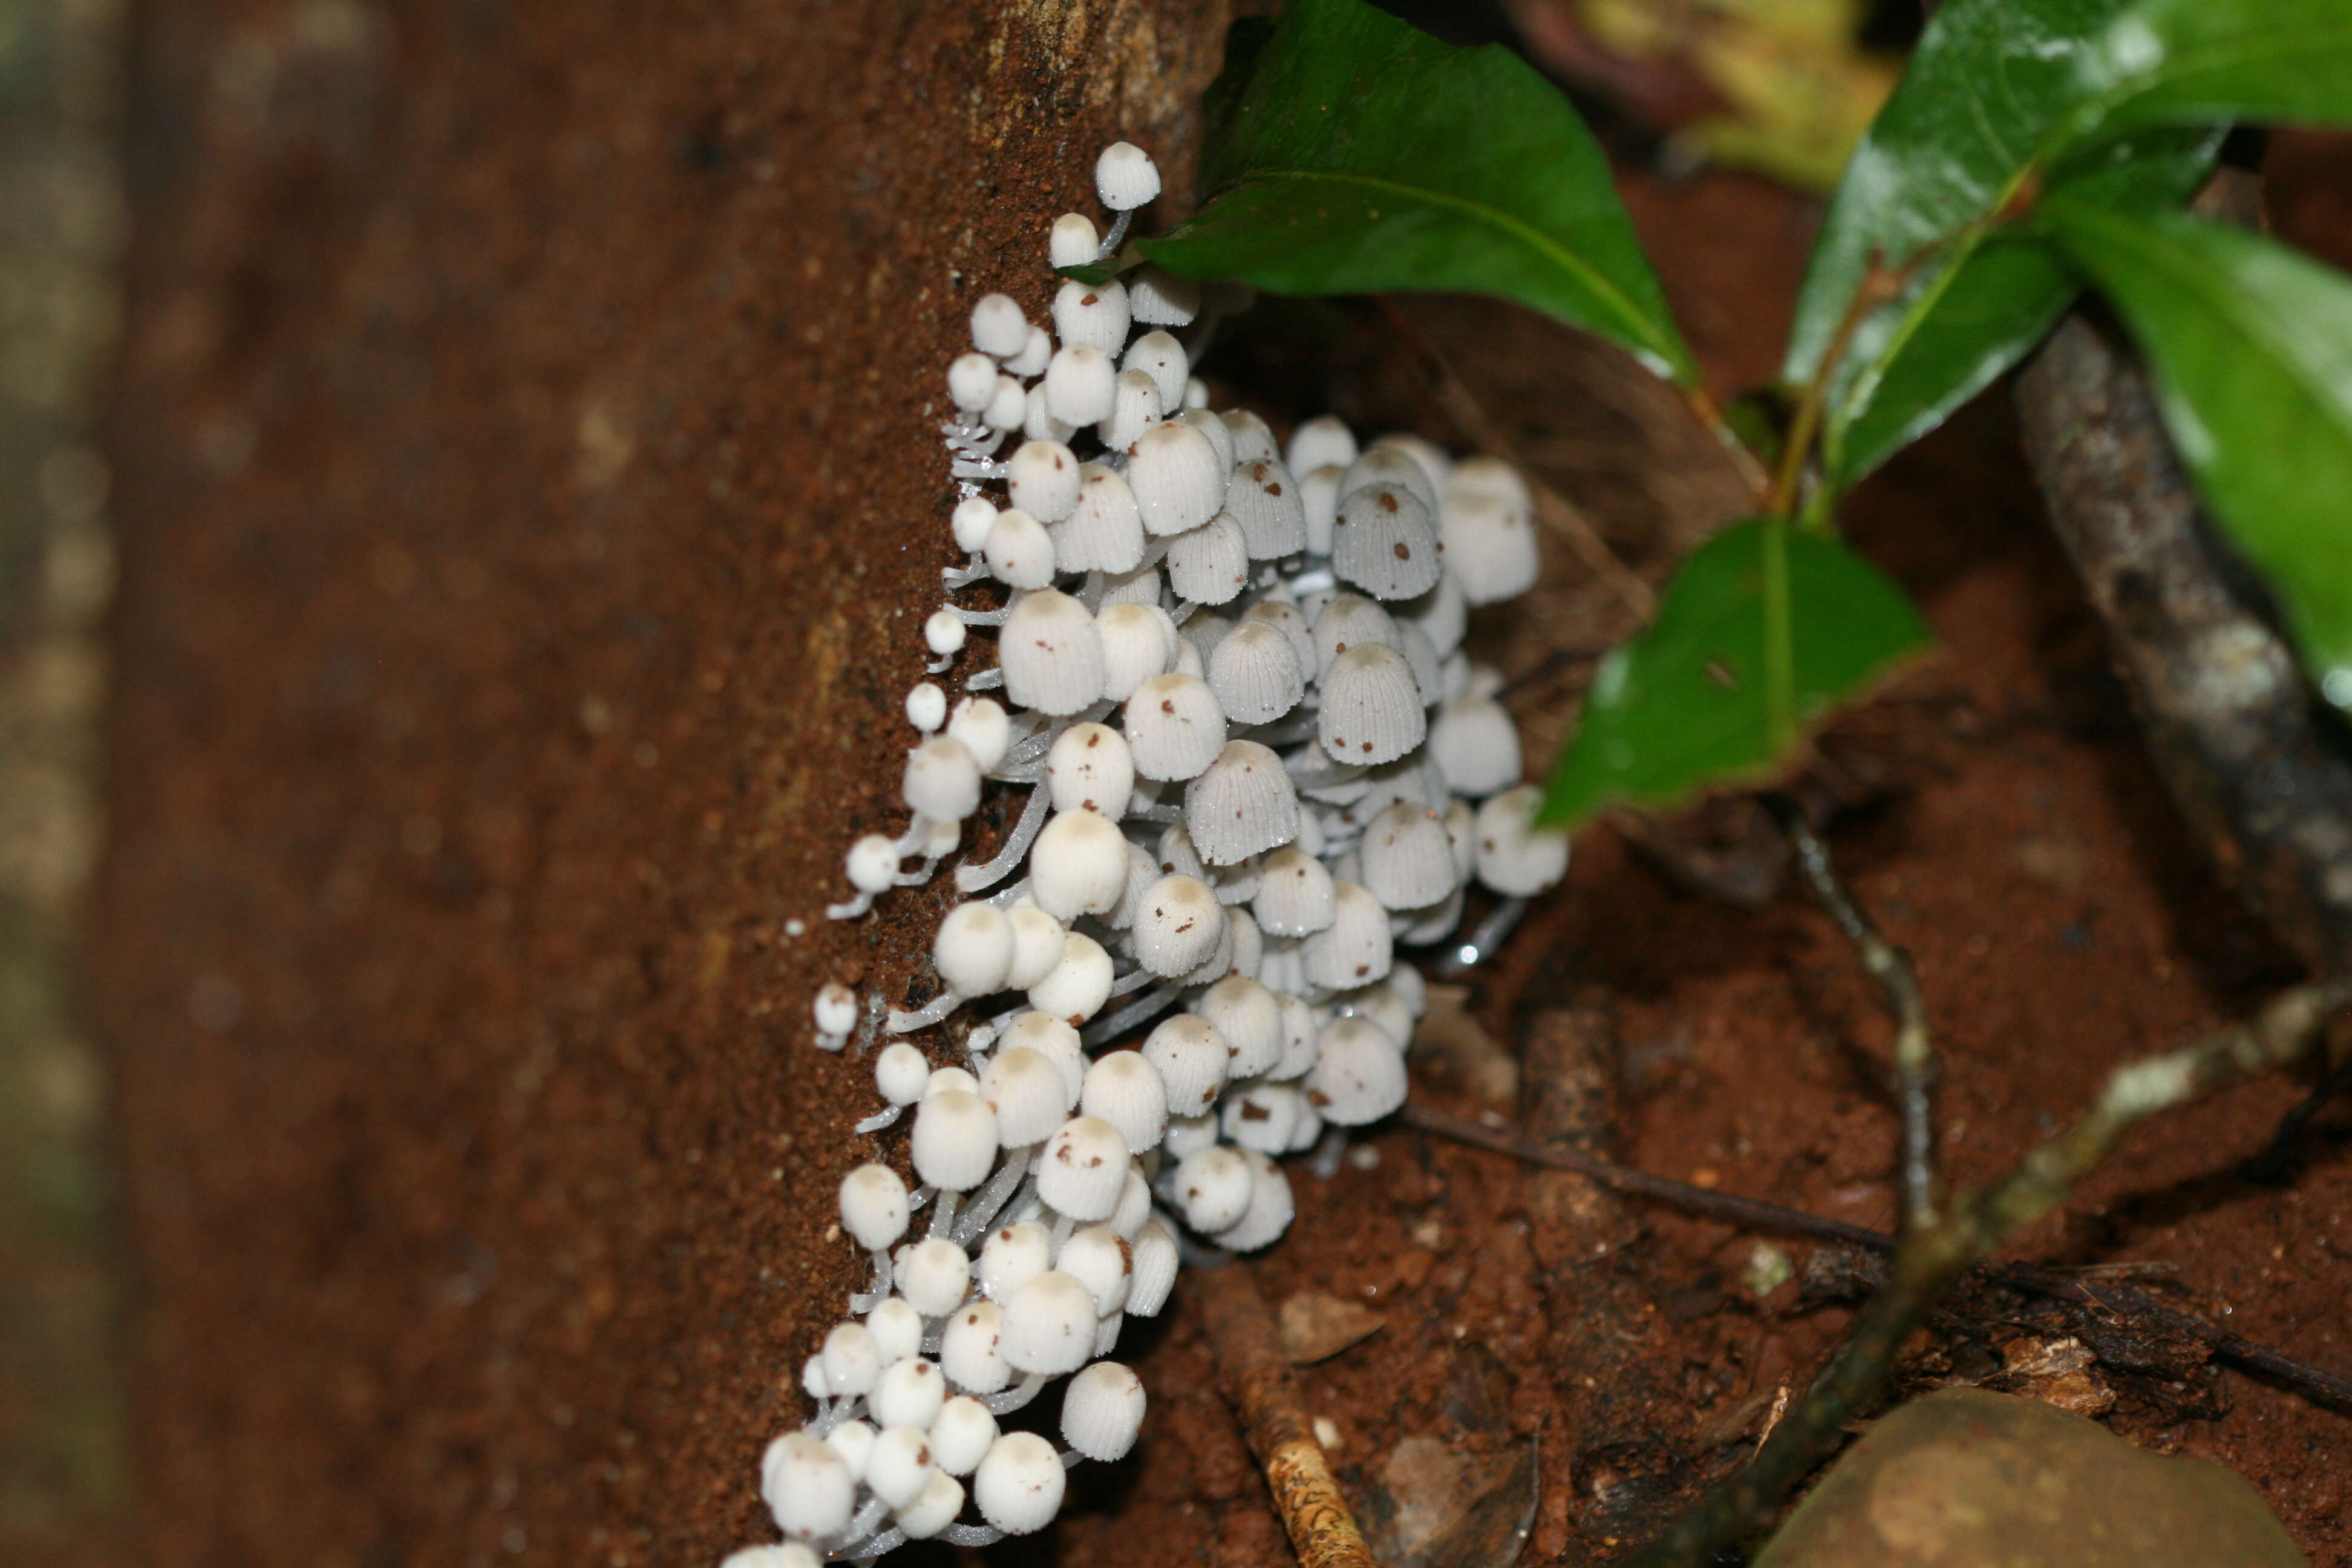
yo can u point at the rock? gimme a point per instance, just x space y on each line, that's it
1965 1479
1317 1326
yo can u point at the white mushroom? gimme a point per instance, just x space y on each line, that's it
1019 1485
1102 1411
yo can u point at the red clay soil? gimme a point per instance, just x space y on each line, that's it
529 510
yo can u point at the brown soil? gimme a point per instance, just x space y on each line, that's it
527 505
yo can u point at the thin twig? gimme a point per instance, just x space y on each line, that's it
1916 1066
1257 1378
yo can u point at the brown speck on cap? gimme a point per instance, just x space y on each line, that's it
1401 553
1388 501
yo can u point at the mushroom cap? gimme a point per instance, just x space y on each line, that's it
898 1330
1435 462
1102 1410
1080 383
1097 1257
1095 314
1013 1256
1240 804
1253 439
1407 860
1082 1168
1161 298
1072 241
1077 865
970 1354
1134 1201
851 1360
1249 942
960 1435
1019 1485
1492 479
1079 984
1191 1058
1256 673
1288 619
1049 1325
1300 1030
1354 949
1384 541
874 1208
1154 1259
935 1276
1124 178
1124 1089
985 729
1174 727
1043 477
972 948
971 381
807 1486
1056 1040
942 780
1294 893
1261 1116
854 1441
1319 494
933 1510
1359 1074
1516 858
955 1145
1026 1088
1209 565
1188 1135
998 327
1177 477
1213 1188
1264 500
1036 352
1442 615
834 1011
1091 767
1271 1207
1139 642
1051 653
1020 551
900 1466
1371 706
784 1554
1490 547
1038 940
910 1392
1380 464
1347 621
873 864
1176 926
1157 354
1103 532
1476 745
1248 1019
1134 409
1382 1005
1325 439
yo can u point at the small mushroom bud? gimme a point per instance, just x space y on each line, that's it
972 950
1210 564
1353 950
1262 1116
873 1206
1049 1326
970 1354
942 780
926 706
1213 1188
1082 1168
850 1360
1137 641
1264 500
1103 533
1442 615
854 1441
1054 1039
933 1510
1035 353
1102 1411
1174 727
1490 547
1072 242
1013 1256
1090 768
873 864
1380 464
960 1435
1271 1207
1096 1258
1248 1019
1384 543
1240 805
998 327
1317 441
1078 867
1043 478
1094 314
900 1466
935 1276
1024 1088
982 726
1123 1088
1038 942
1256 673
1176 926
1475 744
1126 177
1020 552
955 1140
1019 1485
1178 481
971 382
1372 708
971 522
1079 984
898 1330
1348 621
1358 1073
944 633
1052 653
1009 408
1319 496
899 1074
834 1011
807 1488
1219 434
1516 858
1407 862
1134 1199
1191 1058
1154 1271
1134 409
1161 357
908 1393
1163 300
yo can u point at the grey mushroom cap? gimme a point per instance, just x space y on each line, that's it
1385 543
1371 706
1242 804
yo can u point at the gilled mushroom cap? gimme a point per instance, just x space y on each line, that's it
1019 1485
1178 481
998 327
1078 867
1125 177
1155 1262
1049 1325
1097 1258
854 1441
982 725
1386 465
1353 950
1188 1135
1079 984
1432 458
942 780
1288 619
1134 409
1325 439
1082 1168
1428 670
1261 1116
1516 858
1174 727
1025 1089
1080 381
1176 926
1256 673
1385 543
1442 615
1382 1005
1159 356
1491 479
1271 1207
1252 437
934 1507
955 1140
1247 1017
1192 1059
1038 423
972 948
807 1488
1142 871
1072 241
1490 547
1359 1074
971 1350
1043 477
873 1206
1371 708
1103 532
898 1330
1124 1089
908 1393
1476 745
1036 349
1095 314
1300 1032
1407 861
1134 1199
1348 621
1219 434
1038 940
900 1466
1141 586
1209 565
1293 894
1264 499
1102 1411
1240 804
1249 942
1319 494
1213 1188
962 1434
1161 298
935 1276
1051 653
850 1360
1053 1037
1139 642
1013 1256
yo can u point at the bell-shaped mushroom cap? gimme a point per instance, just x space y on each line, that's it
1020 551
1264 499
1209 565
1035 353
1054 1037
1135 1197
873 1206
980 724
955 1140
1475 745
1353 950
850 1361
1300 1032
1358 1073
1348 621
1176 478
910 1392
1251 438
1176 926
1261 1116
1293 895
942 780
900 1466
898 1330
970 522
1138 641
1384 543
1235 884
1177 856
1161 357
807 1486
1043 477
1441 613
1285 618
1325 439
1156 1261
1124 1089
1428 670
1490 547
1025 1089
998 327
1052 654
1271 1207
946 1079
1144 586
1385 465
1102 1411
1095 314
1218 962
1142 871
1516 858
1049 1324
1174 727
1188 1135
1097 1258
1079 385
1191 1058
970 1350
1382 1005
1407 861
1009 408
1090 768
1242 804
1319 496
1213 1188
1248 1019
971 381
899 1073
1249 942
1082 1168
1079 984
1102 530
1038 423
1013 1256
1433 459
1161 298
934 1507
962 1434
1038 940
1372 708
1491 479
854 1441
1019 1485
972 948
1124 178
935 1276
1134 409
1255 674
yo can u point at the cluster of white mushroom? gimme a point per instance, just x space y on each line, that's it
1258 760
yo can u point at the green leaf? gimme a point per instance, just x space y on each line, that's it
2252 347
1689 702
1350 153
2165 62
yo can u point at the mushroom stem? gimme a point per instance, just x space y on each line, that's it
1150 1004
972 879
923 1018
879 1292
1110 242
1005 898
1490 934
1070 1459
989 1200
971 1535
1329 778
1006 1400
881 1119
965 575
1062 1226
944 1216
1328 1152
850 910
966 469
1161 813
984 679
979 617
1134 980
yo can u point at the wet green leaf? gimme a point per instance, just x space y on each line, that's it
1351 153
1688 703
2251 348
